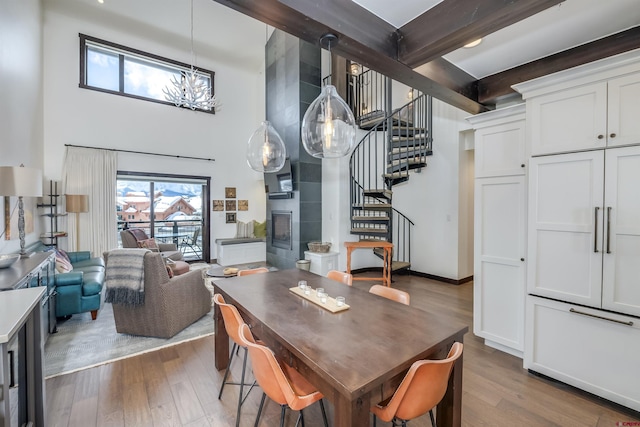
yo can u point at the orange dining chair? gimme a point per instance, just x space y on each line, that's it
420 391
391 293
340 276
282 383
252 271
232 321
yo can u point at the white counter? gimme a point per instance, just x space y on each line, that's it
15 307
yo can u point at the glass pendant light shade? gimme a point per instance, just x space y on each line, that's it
328 126
266 151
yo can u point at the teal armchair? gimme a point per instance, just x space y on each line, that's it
80 290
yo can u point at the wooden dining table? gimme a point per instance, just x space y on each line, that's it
356 357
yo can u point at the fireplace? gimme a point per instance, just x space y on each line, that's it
281 229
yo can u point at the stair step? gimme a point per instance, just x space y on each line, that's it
396 175
400 265
373 206
370 218
368 230
407 161
378 192
402 138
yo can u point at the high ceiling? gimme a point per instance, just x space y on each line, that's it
417 42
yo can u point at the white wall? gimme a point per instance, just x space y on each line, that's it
89 118
21 95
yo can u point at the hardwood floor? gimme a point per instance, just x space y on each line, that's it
178 386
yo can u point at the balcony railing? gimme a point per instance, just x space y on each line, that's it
185 233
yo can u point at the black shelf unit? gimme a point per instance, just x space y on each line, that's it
50 238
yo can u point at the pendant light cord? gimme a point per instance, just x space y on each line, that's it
192 54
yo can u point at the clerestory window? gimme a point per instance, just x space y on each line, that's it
120 70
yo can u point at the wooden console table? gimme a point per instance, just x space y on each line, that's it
386 266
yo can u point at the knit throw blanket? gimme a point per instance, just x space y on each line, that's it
124 277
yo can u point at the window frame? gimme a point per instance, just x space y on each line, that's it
136 55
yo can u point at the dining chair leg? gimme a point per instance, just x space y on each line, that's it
374 420
264 395
433 420
324 414
282 413
300 418
244 368
226 374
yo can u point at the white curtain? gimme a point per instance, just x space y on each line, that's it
92 172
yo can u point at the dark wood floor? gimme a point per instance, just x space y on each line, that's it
178 386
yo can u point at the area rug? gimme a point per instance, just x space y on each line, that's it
82 343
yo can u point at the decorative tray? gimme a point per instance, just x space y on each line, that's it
330 305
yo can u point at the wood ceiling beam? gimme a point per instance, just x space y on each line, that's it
453 23
498 85
301 18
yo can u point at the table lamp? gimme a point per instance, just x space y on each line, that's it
77 203
20 182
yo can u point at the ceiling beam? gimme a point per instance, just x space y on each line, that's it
303 19
498 85
453 23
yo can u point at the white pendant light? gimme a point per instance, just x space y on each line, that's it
328 125
266 151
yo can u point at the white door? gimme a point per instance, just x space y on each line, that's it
621 275
624 110
499 271
570 120
565 227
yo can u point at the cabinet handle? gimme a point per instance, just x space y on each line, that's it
12 369
600 136
613 135
522 165
595 231
609 229
622 322
522 259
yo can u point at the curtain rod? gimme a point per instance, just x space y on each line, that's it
142 152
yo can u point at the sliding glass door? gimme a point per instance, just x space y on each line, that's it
169 208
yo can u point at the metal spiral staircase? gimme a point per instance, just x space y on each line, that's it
396 143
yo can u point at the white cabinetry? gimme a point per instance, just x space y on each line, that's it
500 228
583 216
583 274
598 115
586 348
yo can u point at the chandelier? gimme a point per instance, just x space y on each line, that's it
266 151
190 89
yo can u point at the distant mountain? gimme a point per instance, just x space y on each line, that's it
167 189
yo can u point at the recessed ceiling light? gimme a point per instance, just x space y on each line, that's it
473 43
101 1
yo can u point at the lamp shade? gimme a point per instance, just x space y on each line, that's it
328 126
265 150
20 181
77 203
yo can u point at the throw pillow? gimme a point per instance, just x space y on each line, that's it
62 265
244 230
65 255
149 244
260 229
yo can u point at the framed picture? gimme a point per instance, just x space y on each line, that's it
230 192
230 205
231 217
243 205
218 205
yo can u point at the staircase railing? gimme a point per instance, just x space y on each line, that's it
391 145
372 154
